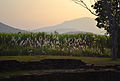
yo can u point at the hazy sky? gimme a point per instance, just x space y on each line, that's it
32 14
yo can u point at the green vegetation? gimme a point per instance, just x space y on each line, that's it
25 44
89 60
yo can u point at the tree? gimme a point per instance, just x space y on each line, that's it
108 12
108 17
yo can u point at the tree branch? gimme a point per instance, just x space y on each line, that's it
83 4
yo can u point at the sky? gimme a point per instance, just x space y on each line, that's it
33 14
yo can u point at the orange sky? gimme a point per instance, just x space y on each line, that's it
32 14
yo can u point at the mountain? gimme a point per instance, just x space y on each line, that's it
7 29
78 25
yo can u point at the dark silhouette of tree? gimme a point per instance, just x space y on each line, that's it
108 17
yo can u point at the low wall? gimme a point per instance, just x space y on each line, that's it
13 65
69 76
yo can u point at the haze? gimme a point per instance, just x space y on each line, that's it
33 14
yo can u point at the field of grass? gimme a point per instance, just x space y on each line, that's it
25 44
89 60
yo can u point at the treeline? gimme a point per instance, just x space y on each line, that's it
12 44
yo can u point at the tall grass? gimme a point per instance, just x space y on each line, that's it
54 44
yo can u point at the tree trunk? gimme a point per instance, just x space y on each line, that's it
114 39
114 45
113 29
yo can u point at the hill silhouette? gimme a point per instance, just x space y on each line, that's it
8 29
78 25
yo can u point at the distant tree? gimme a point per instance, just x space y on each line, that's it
19 32
56 32
108 17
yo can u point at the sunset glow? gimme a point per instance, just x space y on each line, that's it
33 14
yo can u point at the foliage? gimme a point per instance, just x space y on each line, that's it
54 44
108 17
105 7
